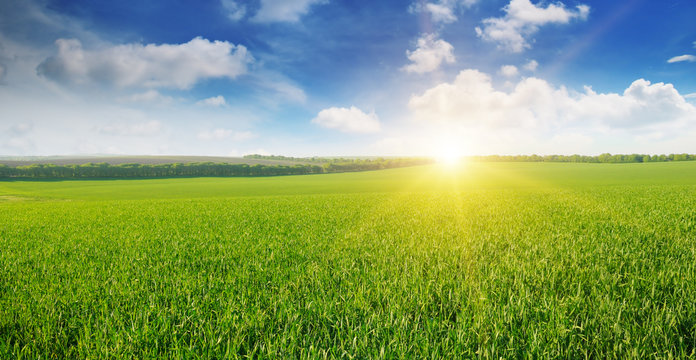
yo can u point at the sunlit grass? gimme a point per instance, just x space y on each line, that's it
491 260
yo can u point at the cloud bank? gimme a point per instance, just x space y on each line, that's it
471 100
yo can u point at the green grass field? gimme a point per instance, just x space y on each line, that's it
492 260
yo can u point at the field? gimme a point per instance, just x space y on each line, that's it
490 260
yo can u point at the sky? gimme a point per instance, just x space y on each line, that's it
347 77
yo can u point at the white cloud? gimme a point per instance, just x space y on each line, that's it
522 19
283 10
221 134
213 101
441 11
167 65
132 129
430 53
149 96
532 65
690 96
689 58
472 101
509 70
351 120
234 10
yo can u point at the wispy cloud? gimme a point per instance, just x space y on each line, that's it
213 101
284 10
522 20
150 96
222 134
441 11
680 58
17 137
132 129
233 9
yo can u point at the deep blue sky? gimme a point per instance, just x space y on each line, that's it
329 77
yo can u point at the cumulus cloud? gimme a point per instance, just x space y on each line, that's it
213 101
680 58
471 100
430 53
132 129
233 9
221 134
509 70
283 10
532 65
349 120
522 19
441 11
166 65
690 96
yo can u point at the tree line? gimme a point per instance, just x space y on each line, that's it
312 166
204 169
313 159
603 158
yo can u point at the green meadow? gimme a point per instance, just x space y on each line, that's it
484 260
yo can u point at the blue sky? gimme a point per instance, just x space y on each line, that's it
330 77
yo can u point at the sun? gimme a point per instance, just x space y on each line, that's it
449 155
448 159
